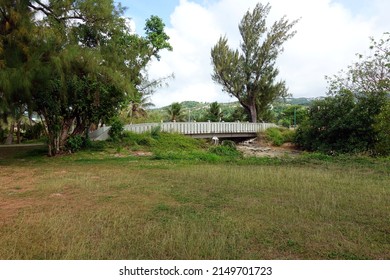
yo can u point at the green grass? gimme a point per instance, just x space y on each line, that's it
278 135
95 205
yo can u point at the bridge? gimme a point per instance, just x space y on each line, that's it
193 129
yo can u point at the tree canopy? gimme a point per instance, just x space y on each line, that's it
75 63
249 74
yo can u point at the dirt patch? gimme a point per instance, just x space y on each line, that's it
142 154
256 148
133 153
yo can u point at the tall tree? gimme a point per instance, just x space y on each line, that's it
250 74
77 64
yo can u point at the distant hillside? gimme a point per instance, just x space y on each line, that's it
202 105
194 110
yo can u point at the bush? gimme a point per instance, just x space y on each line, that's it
279 135
229 143
341 124
116 129
288 135
74 143
275 136
225 151
382 128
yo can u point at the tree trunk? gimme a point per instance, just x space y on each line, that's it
253 112
67 124
10 137
18 138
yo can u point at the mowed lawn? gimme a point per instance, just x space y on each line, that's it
135 208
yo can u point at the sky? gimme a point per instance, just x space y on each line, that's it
329 35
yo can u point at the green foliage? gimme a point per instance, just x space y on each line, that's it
225 151
229 143
155 132
275 136
135 140
171 146
156 35
116 129
175 112
74 75
250 75
382 130
278 136
288 135
34 132
341 124
177 142
74 143
292 115
214 113
354 119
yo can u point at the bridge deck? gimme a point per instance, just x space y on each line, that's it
193 129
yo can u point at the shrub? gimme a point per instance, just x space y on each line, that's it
288 135
74 143
382 128
275 136
342 124
229 143
279 135
116 129
225 151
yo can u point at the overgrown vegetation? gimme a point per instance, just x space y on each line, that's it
354 118
278 135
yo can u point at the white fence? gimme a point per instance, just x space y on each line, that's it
189 128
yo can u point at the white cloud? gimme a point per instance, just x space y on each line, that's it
327 39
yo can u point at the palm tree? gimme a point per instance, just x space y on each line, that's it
175 112
138 106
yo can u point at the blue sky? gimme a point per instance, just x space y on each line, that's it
329 35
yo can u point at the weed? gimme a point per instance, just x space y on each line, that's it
279 135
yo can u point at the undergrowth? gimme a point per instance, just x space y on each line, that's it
278 135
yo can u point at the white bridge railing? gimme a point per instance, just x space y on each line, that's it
190 128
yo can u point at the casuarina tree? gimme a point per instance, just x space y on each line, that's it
249 74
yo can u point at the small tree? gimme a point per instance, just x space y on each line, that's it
250 75
214 113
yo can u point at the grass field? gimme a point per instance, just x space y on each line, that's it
110 205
